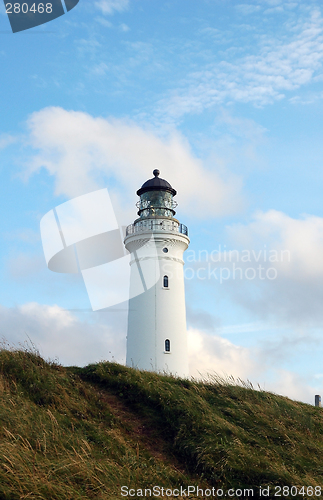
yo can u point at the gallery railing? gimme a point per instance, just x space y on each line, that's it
157 225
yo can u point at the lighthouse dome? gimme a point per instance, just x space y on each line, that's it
156 184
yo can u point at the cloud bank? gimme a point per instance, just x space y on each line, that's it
295 297
60 335
84 153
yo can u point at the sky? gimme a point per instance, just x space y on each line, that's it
225 98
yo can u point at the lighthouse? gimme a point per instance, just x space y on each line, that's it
156 337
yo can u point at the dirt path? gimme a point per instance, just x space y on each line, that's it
140 430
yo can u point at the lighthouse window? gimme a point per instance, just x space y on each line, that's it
167 345
165 281
165 250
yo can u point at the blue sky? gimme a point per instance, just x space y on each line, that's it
225 98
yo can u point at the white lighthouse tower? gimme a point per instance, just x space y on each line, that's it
157 339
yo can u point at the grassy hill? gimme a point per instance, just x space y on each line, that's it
83 433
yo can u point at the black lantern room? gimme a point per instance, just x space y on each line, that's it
156 198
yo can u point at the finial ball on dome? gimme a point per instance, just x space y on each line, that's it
156 172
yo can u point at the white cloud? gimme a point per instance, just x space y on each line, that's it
58 333
23 267
25 235
303 238
6 140
124 27
244 128
199 319
274 68
83 152
104 22
247 9
286 312
292 385
274 10
212 355
111 6
296 295
100 69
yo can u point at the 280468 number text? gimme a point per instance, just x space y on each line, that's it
16 8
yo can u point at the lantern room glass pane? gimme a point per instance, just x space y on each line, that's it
156 203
